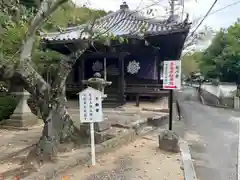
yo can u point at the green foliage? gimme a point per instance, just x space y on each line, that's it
12 37
30 3
190 63
14 22
7 105
13 26
69 14
47 60
221 58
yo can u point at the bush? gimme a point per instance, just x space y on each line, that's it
7 105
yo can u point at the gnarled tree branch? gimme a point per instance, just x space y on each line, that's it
25 68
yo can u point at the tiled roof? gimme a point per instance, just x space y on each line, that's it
120 23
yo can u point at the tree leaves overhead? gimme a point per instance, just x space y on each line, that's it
222 58
70 15
190 63
15 16
30 3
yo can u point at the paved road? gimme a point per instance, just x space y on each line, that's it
213 135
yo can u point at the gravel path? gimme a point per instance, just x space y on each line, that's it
138 160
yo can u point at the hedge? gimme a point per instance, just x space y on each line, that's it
8 104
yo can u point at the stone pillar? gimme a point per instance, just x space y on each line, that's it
236 102
22 115
169 141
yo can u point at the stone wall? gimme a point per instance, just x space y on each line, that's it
209 98
221 95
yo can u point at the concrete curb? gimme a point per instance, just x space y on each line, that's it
82 156
189 170
156 110
157 121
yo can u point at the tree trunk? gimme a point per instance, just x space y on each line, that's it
58 126
58 129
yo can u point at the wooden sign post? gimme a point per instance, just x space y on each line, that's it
90 104
171 81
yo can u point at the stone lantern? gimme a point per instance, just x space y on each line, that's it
97 82
22 115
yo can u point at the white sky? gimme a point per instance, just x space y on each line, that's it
196 8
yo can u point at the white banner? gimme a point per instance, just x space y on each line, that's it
172 74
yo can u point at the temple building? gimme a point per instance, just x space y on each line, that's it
134 66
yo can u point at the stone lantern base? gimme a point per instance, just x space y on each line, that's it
22 120
22 115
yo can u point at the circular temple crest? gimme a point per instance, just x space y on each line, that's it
97 66
133 67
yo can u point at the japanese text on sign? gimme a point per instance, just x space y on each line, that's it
172 75
90 101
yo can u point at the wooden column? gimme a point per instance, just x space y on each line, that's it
82 72
137 100
158 69
76 72
121 79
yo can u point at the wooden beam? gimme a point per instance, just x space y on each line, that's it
104 55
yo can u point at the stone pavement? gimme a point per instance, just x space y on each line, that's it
126 116
141 159
129 107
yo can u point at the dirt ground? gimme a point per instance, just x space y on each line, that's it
139 160
15 144
14 147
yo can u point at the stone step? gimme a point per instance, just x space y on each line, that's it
112 100
111 104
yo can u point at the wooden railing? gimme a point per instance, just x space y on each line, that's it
73 87
144 88
129 88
